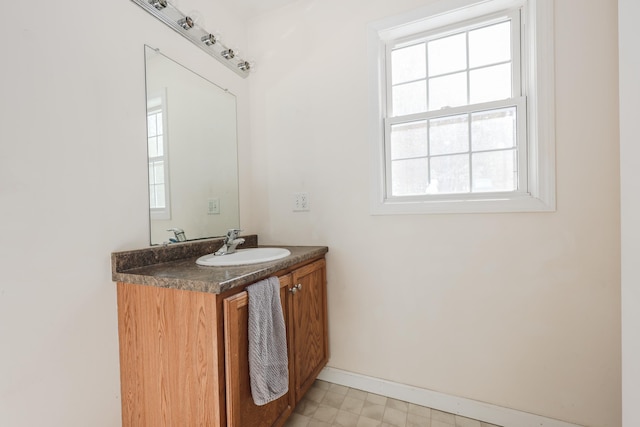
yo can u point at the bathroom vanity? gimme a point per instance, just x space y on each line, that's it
183 334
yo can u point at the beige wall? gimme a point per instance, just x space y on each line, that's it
518 310
73 188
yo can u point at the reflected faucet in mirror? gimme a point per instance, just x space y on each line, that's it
179 235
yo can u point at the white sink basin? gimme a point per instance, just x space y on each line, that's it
243 257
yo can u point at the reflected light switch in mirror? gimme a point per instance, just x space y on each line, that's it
214 207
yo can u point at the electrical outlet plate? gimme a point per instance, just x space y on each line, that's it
300 202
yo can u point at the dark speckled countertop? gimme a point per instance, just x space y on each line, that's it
174 266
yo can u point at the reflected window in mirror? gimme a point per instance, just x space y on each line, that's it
157 143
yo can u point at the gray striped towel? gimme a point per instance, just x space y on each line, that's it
268 360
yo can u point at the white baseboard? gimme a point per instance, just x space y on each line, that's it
486 412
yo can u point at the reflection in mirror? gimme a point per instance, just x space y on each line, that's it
192 153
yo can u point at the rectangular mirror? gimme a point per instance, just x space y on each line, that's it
192 153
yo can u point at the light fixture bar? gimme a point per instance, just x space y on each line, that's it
185 26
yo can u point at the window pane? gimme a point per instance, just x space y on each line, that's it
409 140
152 125
409 177
494 171
160 202
493 129
152 197
449 135
153 146
158 172
160 149
490 84
490 45
449 174
410 98
448 54
448 91
409 63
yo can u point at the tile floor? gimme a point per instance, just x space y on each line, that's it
331 405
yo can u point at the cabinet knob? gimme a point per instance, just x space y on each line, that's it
296 288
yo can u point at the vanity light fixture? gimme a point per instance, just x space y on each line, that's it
166 12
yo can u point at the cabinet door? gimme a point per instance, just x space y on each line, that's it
241 411
309 317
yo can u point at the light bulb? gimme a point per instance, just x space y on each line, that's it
186 23
228 54
158 4
209 39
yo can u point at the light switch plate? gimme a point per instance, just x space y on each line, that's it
213 207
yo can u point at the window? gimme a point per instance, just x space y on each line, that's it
158 155
464 117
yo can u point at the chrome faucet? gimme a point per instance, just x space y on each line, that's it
231 241
179 233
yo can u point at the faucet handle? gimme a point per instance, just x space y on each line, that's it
232 234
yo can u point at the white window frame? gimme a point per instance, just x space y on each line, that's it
537 189
158 102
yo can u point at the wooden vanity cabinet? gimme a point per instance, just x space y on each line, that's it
184 354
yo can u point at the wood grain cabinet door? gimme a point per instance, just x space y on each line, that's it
241 411
309 317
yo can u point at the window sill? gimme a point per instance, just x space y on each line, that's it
508 205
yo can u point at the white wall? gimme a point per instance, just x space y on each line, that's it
73 188
518 310
629 14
